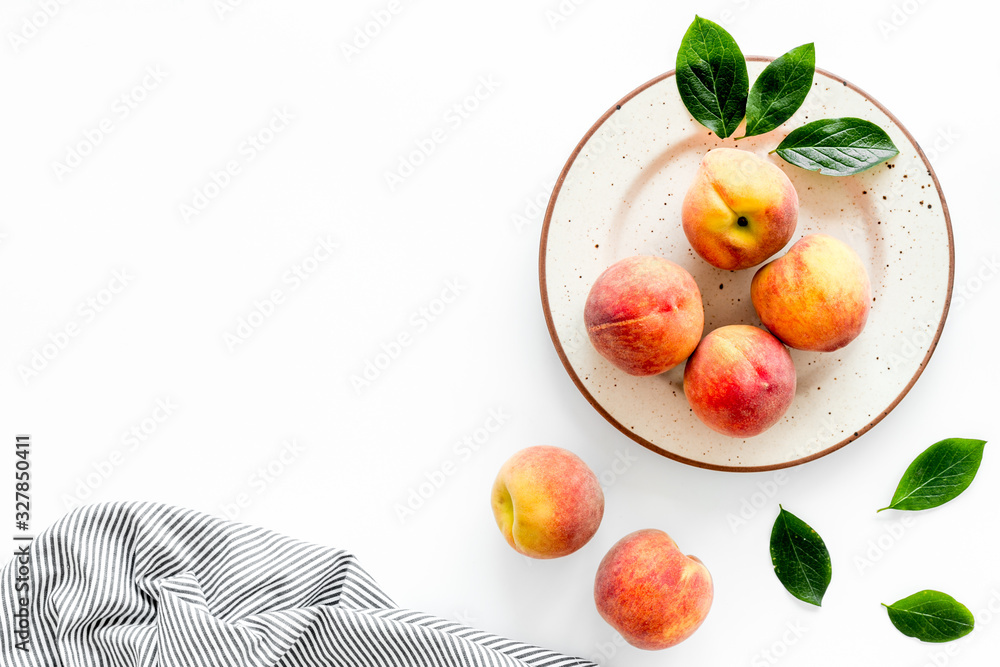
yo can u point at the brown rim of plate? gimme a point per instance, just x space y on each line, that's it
700 464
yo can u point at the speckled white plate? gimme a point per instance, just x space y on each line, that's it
620 194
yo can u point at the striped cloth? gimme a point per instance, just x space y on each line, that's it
147 585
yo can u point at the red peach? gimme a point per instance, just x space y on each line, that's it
649 591
740 380
644 315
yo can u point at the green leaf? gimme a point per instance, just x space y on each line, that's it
941 473
931 616
780 90
712 77
801 560
837 146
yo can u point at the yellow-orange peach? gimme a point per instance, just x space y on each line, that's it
547 502
644 315
816 297
649 591
740 380
740 210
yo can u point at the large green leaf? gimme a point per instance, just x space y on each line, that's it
837 146
780 90
800 557
712 77
941 473
931 616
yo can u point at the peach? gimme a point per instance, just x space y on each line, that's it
740 380
649 591
644 315
547 502
740 210
816 297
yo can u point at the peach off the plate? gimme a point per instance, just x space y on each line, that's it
546 501
648 590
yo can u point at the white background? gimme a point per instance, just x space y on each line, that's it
454 220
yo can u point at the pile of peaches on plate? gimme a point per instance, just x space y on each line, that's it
644 314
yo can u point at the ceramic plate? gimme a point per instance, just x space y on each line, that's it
620 194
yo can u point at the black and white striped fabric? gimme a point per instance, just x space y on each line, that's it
147 585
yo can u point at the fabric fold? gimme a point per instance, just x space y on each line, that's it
148 585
